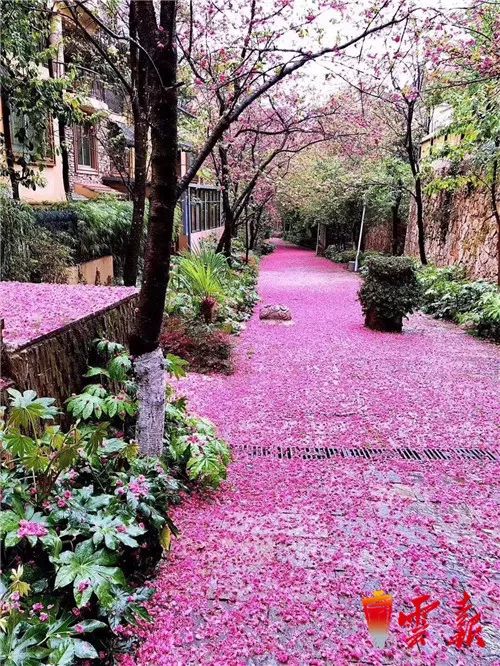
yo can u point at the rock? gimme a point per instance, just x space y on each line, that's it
275 312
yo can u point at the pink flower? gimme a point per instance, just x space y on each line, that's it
37 607
84 585
121 529
79 628
140 487
61 503
29 528
43 617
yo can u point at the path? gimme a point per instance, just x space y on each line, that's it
271 570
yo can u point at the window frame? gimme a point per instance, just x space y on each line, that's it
49 159
93 149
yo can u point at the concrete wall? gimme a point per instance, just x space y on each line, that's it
199 236
97 271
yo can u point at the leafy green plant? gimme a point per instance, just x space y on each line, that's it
340 256
193 447
203 346
27 252
84 516
390 291
202 275
448 295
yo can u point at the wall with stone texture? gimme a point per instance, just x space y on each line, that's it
459 229
378 238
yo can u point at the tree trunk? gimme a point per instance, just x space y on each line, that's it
160 43
494 205
420 220
225 240
398 228
414 166
64 157
9 149
139 79
135 240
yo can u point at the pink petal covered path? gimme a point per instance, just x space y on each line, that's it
272 568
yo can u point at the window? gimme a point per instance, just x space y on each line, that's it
205 208
85 147
36 144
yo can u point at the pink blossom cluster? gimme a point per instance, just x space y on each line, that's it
138 487
28 528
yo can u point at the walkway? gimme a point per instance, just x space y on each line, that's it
271 570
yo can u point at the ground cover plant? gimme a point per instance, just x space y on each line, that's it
85 517
389 293
208 301
447 294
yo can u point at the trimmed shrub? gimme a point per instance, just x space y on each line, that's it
341 256
390 292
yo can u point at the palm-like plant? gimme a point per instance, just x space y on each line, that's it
202 274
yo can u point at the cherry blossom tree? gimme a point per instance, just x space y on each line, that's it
238 52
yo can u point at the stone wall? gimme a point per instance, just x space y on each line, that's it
378 238
53 365
459 229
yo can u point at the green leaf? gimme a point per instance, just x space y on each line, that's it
85 405
91 625
165 537
93 372
84 650
26 410
119 367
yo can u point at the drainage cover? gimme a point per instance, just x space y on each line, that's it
365 453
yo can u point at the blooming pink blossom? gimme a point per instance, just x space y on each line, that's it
84 585
29 528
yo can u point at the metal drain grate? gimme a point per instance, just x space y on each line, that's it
325 453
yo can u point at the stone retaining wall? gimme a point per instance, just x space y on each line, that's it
459 229
53 366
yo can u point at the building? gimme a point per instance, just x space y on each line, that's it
91 160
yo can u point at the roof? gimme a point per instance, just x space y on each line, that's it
93 190
128 132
